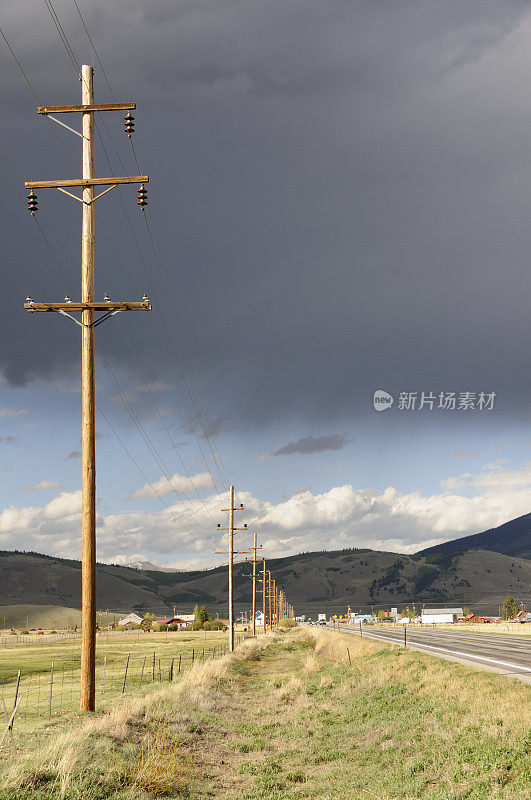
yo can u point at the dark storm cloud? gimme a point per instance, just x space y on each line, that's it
313 444
209 428
341 190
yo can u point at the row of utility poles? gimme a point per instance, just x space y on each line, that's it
279 607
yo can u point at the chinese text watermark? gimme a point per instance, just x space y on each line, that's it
430 401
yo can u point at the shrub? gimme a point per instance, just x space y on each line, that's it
161 767
162 627
287 624
212 625
24 632
173 627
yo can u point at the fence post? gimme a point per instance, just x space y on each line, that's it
153 672
104 671
51 690
125 674
142 673
171 670
405 635
361 630
193 655
180 656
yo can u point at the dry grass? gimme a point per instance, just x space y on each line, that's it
160 768
292 716
146 723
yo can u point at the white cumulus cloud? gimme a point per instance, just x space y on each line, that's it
181 484
184 535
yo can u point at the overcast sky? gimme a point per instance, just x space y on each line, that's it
339 203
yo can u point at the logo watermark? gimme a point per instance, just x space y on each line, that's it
430 401
382 400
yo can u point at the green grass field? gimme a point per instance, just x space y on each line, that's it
296 716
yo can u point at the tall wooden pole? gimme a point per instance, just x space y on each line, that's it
264 596
88 570
231 570
87 307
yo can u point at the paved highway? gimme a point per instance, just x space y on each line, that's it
509 655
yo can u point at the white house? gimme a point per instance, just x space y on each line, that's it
131 619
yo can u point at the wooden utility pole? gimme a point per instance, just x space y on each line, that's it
87 307
231 530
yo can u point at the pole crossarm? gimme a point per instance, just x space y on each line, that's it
88 107
109 308
121 305
86 182
234 529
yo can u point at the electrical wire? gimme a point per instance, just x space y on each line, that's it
19 65
51 277
200 412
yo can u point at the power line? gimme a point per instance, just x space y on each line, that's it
19 65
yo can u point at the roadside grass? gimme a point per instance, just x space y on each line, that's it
294 716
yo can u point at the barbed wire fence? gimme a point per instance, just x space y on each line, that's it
50 694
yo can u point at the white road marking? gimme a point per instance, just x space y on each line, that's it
451 652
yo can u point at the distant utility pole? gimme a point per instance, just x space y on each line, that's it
254 549
87 307
263 581
231 530
269 595
264 594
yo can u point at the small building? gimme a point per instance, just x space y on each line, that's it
130 621
432 616
523 616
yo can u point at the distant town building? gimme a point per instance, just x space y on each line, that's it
440 615
181 620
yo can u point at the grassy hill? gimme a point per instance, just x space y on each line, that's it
512 538
321 581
